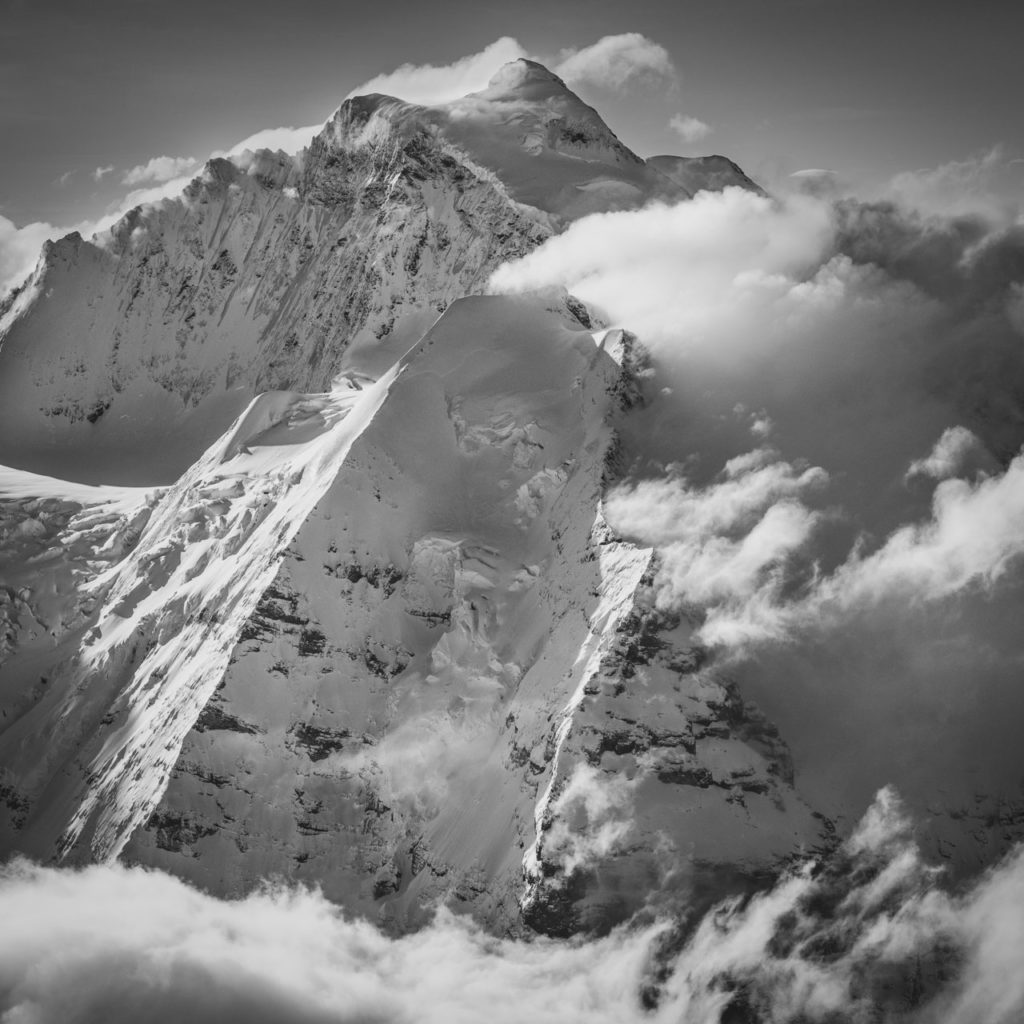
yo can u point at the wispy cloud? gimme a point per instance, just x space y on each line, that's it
616 62
689 129
613 62
288 140
440 83
158 169
963 187
101 172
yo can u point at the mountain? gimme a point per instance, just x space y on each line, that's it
305 567
124 356
383 640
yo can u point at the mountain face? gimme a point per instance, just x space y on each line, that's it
334 598
124 356
382 639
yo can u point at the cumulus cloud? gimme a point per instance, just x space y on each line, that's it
101 172
113 944
869 934
689 129
159 169
429 83
971 539
681 275
724 547
615 62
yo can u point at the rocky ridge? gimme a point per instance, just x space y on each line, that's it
274 272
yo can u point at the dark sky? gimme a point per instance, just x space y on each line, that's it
864 87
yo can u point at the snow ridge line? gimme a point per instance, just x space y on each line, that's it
209 552
623 566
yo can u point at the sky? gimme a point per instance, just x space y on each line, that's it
89 92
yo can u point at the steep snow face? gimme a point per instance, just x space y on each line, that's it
549 149
126 357
430 693
381 639
114 712
440 588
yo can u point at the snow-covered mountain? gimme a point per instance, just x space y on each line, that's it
124 356
333 597
382 639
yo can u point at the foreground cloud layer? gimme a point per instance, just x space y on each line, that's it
869 936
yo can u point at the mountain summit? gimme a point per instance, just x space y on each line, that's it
360 620
123 357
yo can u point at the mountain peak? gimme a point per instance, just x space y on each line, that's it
521 75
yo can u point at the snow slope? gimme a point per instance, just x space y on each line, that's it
381 639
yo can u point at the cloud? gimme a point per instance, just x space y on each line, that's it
289 140
101 172
815 181
159 169
853 940
971 539
723 548
592 816
110 944
429 84
65 178
859 569
616 62
613 62
689 129
870 934
960 187
684 274
1015 307
19 249
954 451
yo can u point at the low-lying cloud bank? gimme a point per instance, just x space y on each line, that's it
869 936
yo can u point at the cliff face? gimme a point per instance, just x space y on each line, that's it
382 639
126 358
